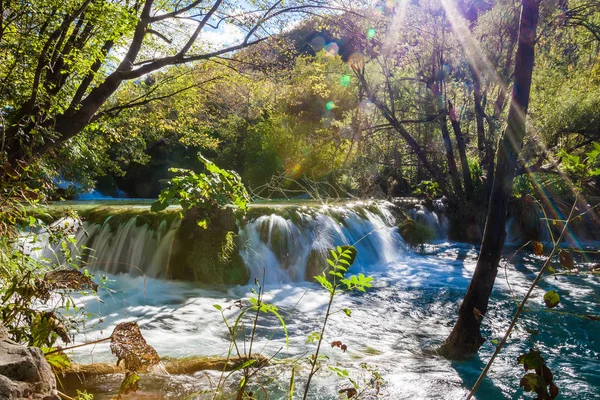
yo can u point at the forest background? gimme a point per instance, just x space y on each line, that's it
381 100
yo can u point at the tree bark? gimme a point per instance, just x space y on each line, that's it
479 117
466 336
462 150
452 168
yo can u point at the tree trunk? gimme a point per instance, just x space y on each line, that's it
452 168
462 150
466 336
479 117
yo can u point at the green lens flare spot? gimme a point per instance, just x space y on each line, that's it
371 33
345 80
330 105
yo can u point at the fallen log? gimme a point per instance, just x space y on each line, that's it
188 365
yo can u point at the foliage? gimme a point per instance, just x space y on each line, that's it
242 339
581 169
63 60
204 191
428 189
541 380
27 282
415 233
84 395
128 344
334 280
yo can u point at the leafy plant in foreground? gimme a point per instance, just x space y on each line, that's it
242 340
334 281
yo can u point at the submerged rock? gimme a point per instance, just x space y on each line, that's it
24 373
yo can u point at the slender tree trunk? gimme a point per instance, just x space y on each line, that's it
466 336
479 117
452 168
462 150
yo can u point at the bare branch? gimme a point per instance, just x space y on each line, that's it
160 35
175 13
138 102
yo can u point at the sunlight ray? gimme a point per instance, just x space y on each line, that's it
482 66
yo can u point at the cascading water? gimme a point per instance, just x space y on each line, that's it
435 219
289 246
411 306
131 247
295 249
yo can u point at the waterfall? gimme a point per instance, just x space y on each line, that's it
130 246
295 248
435 219
276 243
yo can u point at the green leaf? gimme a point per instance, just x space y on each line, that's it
334 273
158 206
129 384
218 307
291 393
313 337
551 298
58 361
348 311
282 322
342 373
531 360
324 282
531 382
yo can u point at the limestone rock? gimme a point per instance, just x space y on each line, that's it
25 374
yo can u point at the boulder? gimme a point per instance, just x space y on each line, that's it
24 373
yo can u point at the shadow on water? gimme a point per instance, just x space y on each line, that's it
469 371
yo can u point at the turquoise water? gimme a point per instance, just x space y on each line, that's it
410 310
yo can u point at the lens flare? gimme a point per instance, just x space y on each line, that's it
345 80
332 49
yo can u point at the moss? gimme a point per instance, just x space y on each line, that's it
415 233
187 365
371 351
208 255
315 263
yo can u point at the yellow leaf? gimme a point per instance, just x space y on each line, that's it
538 249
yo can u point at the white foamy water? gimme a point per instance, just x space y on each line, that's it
410 309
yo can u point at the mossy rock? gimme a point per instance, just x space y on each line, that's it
415 233
315 263
116 216
208 255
